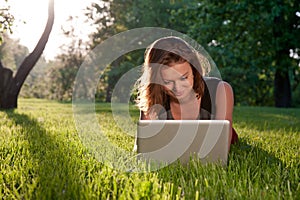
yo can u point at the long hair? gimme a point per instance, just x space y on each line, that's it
162 52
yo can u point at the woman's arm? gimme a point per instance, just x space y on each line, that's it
224 104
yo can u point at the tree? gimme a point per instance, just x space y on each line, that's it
63 74
12 52
251 42
10 86
112 17
6 21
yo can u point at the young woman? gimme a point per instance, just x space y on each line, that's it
173 86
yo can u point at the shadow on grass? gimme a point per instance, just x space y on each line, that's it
56 164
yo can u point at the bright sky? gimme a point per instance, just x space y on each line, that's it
35 12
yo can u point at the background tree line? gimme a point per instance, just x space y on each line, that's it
255 45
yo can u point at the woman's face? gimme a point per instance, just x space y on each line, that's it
178 80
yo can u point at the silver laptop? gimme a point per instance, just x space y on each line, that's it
167 141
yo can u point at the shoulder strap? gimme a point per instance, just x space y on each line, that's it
208 101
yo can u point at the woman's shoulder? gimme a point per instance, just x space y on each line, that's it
209 79
213 82
214 88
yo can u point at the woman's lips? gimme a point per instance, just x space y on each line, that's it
178 93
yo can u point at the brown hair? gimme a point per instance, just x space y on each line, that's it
162 52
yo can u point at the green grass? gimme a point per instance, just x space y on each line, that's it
42 157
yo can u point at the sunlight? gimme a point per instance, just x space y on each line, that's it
31 9
30 20
31 16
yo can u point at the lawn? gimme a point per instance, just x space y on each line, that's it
42 157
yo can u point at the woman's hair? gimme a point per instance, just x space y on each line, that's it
164 52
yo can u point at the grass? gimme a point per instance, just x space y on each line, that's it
42 157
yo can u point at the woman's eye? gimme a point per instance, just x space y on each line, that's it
167 82
184 78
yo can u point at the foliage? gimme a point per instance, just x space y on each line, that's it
36 84
63 73
112 17
42 157
115 71
6 21
12 53
251 42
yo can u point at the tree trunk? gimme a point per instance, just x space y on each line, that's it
6 77
282 89
10 91
282 85
108 94
9 101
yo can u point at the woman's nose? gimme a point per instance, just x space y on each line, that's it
176 86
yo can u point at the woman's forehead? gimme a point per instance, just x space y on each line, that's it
176 69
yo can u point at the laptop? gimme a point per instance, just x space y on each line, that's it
162 142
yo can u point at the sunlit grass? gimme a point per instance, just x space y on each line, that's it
42 157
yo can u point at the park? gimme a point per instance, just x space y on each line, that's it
254 46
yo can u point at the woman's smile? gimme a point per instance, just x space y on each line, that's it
178 80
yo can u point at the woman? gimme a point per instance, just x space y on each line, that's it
173 86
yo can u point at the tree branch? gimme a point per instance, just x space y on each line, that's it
29 62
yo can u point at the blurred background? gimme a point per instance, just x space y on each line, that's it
255 44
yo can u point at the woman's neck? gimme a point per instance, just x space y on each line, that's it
185 110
